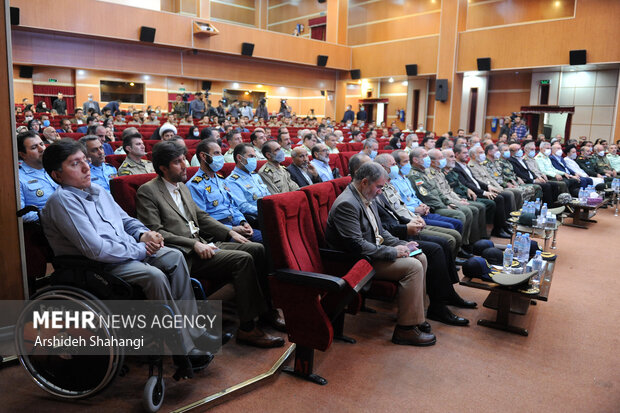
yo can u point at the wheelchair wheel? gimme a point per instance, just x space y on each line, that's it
153 395
72 376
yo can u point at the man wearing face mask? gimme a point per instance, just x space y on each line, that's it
497 162
245 184
523 172
302 171
558 163
475 211
211 193
274 175
428 192
481 174
371 148
412 142
493 166
587 164
544 163
91 104
602 164
613 158
332 141
349 115
361 116
320 161
529 150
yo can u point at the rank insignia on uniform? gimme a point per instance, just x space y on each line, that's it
248 186
208 189
216 203
124 165
33 181
112 176
255 197
197 179
423 191
419 182
495 174
220 175
235 176
40 193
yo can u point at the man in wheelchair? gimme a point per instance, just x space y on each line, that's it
82 218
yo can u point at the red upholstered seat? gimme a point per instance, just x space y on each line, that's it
335 162
320 197
75 136
344 159
355 146
342 147
340 184
124 189
115 160
309 299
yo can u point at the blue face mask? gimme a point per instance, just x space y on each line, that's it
506 154
519 153
427 162
46 123
217 163
394 171
251 165
405 169
442 163
279 156
531 154
373 154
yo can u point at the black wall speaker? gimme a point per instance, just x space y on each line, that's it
322 93
484 64
25 72
206 85
322 1
247 49
147 34
412 70
15 16
441 90
356 74
321 60
577 57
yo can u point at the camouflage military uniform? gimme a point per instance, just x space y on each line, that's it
428 192
530 191
482 174
477 210
277 179
602 164
495 170
131 167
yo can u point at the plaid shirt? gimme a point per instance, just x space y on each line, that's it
520 130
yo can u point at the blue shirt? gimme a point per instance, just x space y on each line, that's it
246 189
196 107
213 196
35 187
91 224
101 175
406 192
107 149
82 129
325 172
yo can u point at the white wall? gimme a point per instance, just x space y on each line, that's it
554 87
593 93
482 83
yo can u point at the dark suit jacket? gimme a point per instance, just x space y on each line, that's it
392 222
561 166
468 182
521 171
299 178
349 228
158 211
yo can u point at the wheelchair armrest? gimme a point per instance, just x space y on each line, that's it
61 261
342 256
311 279
27 209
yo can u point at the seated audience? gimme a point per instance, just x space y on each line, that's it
133 163
100 172
274 175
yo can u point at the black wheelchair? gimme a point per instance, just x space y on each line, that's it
81 282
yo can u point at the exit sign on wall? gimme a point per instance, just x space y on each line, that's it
52 80
545 82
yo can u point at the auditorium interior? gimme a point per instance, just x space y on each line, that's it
414 66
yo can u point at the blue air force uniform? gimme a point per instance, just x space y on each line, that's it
246 188
35 187
101 175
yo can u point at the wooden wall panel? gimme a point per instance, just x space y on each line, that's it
363 12
300 12
396 93
64 76
232 13
405 27
173 30
594 20
507 93
497 13
389 59
430 114
22 88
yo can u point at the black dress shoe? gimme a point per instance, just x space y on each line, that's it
459 301
199 359
507 229
210 342
444 315
425 327
275 320
464 254
186 365
501 234
412 337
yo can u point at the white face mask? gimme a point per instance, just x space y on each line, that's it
558 153
547 152
414 144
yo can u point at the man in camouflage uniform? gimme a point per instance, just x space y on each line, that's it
274 175
133 163
602 163
530 191
482 174
496 171
428 192
478 210
588 163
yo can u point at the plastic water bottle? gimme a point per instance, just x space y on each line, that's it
537 206
582 196
508 254
543 210
536 266
524 250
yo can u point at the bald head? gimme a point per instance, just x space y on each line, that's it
356 162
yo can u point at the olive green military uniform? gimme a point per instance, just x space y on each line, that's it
602 164
593 168
495 169
452 177
277 179
131 167
482 174
452 236
428 193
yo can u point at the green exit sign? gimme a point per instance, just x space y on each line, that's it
181 89
545 82
52 80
